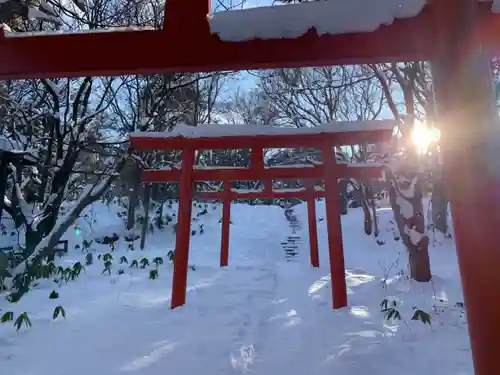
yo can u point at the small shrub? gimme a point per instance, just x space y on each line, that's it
158 261
23 318
107 267
144 262
59 310
7 317
422 316
54 295
89 259
390 310
153 274
77 269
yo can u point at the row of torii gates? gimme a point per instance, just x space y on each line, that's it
219 137
459 37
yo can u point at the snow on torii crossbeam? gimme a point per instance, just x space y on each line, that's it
457 36
257 138
297 35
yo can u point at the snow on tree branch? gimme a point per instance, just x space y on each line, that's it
88 196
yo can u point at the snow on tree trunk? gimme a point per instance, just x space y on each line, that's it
145 224
47 244
405 196
343 196
439 203
134 184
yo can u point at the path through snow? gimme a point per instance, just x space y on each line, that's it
261 315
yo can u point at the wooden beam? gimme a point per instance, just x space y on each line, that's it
274 194
261 141
130 52
240 174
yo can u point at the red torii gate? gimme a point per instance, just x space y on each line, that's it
457 36
222 137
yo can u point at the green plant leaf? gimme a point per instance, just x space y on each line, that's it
158 261
78 268
384 303
14 297
144 262
59 310
89 259
7 317
422 316
153 274
23 318
54 295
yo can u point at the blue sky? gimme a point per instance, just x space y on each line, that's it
247 81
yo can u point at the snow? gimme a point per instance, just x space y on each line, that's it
5 143
245 191
57 90
227 130
405 207
290 190
34 13
211 167
327 17
286 166
66 32
263 314
333 17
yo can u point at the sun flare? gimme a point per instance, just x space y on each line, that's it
423 136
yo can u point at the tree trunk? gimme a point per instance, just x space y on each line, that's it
406 201
439 203
133 195
145 224
4 163
343 196
48 240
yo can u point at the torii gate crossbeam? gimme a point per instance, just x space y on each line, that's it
457 36
149 51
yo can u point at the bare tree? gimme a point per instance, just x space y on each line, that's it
404 173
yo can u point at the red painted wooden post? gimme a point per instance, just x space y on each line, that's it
257 163
313 230
226 221
334 227
471 145
183 233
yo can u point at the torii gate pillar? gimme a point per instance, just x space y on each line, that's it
471 145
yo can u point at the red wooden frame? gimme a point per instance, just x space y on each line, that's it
447 32
130 52
329 171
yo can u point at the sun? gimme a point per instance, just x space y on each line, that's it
424 135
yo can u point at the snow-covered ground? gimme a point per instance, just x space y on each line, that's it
264 314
